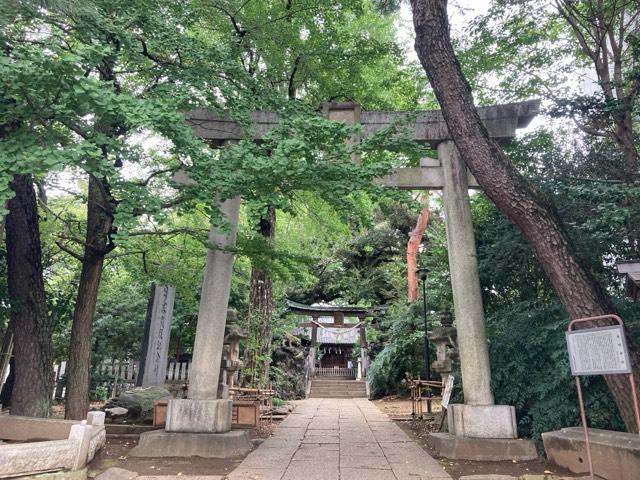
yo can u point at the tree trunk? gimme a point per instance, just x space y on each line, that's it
261 310
97 245
6 359
576 287
33 387
413 245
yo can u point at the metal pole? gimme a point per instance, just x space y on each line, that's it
427 367
585 427
636 411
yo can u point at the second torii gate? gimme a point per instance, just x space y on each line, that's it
478 417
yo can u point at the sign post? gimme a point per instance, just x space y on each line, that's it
446 395
599 351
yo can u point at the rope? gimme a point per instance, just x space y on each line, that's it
340 331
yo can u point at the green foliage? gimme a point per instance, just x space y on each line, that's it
100 88
99 393
398 338
530 370
518 50
401 355
526 323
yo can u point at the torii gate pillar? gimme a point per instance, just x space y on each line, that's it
465 281
478 417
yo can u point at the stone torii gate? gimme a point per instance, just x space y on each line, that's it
478 417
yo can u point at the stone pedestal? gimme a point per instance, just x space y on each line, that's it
198 416
482 421
174 444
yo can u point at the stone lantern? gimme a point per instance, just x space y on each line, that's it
232 363
444 338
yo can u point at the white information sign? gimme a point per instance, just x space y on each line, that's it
446 396
598 351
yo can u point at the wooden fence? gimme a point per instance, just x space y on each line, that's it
117 376
336 372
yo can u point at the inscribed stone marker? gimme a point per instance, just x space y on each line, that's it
157 333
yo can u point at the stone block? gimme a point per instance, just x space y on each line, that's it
115 473
199 416
98 440
209 445
27 429
95 418
59 475
181 477
82 435
481 449
116 412
139 402
482 421
29 458
490 476
615 455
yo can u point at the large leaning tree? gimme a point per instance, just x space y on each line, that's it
524 205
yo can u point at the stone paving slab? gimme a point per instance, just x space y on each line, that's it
338 439
366 473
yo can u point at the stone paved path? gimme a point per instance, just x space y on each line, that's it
338 439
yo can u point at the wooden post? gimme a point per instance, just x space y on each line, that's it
5 355
312 348
363 347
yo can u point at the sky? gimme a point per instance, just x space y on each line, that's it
461 12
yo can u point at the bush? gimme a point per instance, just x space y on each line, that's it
401 354
99 394
530 370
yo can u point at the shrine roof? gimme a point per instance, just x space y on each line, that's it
324 309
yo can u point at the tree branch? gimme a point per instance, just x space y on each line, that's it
67 250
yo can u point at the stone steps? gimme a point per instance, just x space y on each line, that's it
337 388
357 385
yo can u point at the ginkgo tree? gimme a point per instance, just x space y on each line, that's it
81 81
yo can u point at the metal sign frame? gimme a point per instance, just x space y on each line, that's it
632 384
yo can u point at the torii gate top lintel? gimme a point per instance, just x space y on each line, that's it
429 126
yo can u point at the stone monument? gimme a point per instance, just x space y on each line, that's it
157 334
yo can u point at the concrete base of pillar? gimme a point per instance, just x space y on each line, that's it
482 421
199 416
481 449
208 445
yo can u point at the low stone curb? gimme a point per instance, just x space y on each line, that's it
115 473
